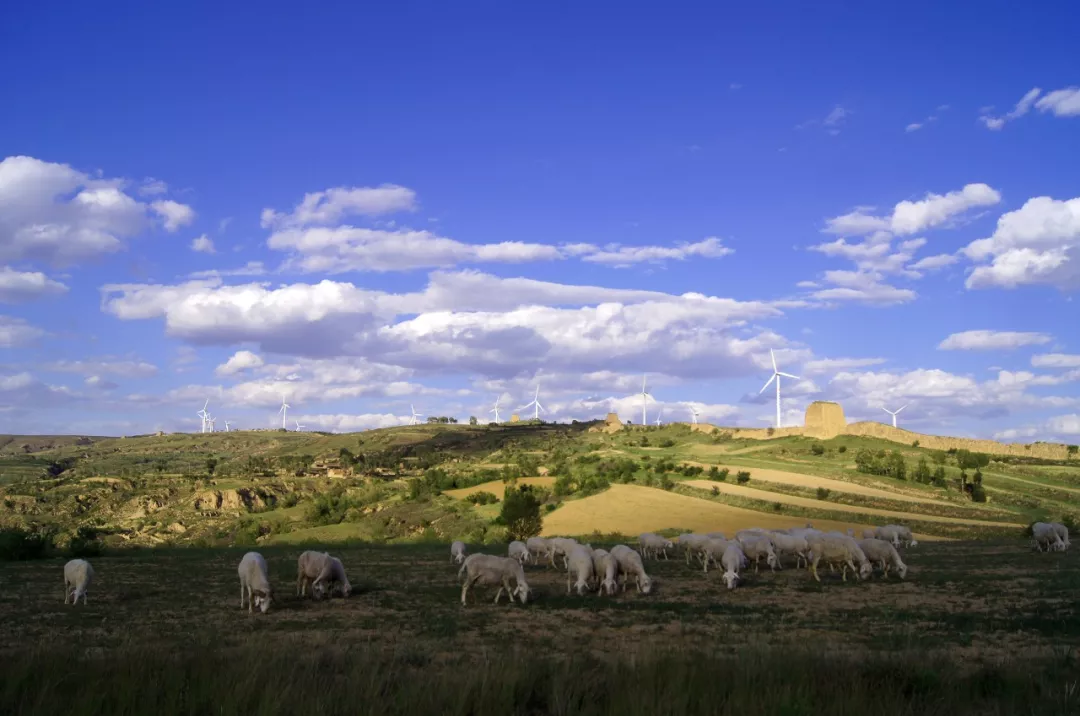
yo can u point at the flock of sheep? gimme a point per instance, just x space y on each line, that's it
602 570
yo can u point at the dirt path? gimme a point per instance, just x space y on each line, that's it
741 491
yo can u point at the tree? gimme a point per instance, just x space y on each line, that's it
742 477
977 477
922 471
521 513
897 467
817 449
210 465
432 419
939 476
473 420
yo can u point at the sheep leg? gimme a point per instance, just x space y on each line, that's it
813 569
498 595
67 592
465 589
241 596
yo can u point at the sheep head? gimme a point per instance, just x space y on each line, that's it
731 579
901 570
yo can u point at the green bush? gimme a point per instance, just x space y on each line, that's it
521 513
19 544
667 442
842 449
743 477
978 494
482 498
817 449
823 493
715 491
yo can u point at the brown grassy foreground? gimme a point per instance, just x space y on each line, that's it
987 628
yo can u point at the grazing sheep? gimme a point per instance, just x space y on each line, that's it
906 537
560 547
713 551
889 533
309 566
756 546
489 569
653 545
580 565
804 532
1062 533
457 552
77 577
841 550
630 565
784 543
598 561
715 535
884 554
538 547
869 533
332 578
732 561
519 551
1045 534
254 583
606 572
692 544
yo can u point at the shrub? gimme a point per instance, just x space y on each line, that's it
20 544
666 483
667 442
1073 449
521 513
978 494
922 471
842 449
823 493
482 498
939 477
770 432
817 449
915 443
743 477
715 491
778 507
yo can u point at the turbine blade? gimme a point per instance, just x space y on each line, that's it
902 407
788 375
772 356
771 379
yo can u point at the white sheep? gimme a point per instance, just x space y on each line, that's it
653 545
519 551
489 569
1044 534
906 537
757 545
785 543
713 551
457 552
869 533
884 554
630 565
732 561
1062 533
538 547
606 570
715 535
598 561
254 582
560 547
580 565
333 577
692 544
841 550
309 566
77 577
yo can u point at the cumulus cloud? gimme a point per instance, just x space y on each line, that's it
332 205
173 213
911 217
22 286
1060 427
992 340
25 389
15 332
863 287
203 244
251 268
238 363
1055 360
1036 244
101 367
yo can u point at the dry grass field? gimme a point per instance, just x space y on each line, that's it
498 487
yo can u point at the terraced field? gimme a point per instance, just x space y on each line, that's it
498 487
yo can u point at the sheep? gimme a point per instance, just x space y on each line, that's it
692 544
333 577
606 569
519 551
732 561
598 561
1045 534
869 533
885 555
756 546
715 535
713 550
77 577
653 545
784 543
538 547
630 565
309 566
457 552
489 569
560 547
841 550
906 537
804 532
254 583
580 565
1062 533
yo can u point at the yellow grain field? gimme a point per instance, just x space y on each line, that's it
498 487
741 491
632 509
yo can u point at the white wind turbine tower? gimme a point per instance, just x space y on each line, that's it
299 427
535 404
693 414
204 415
659 414
644 401
415 415
894 412
283 410
776 376
212 422
496 408
226 426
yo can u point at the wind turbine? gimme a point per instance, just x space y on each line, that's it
211 422
204 415
693 414
536 404
299 427
776 376
894 412
659 414
283 410
496 408
415 415
644 401
226 426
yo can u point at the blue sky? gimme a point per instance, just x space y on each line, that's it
367 208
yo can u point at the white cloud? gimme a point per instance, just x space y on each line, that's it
15 332
1056 360
932 263
1022 107
1061 427
863 287
828 365
203 244
1061 103
173 214
835 118
1064 425
96 382
913 127
342 423
910 217
622 256
103 366
332 205
153 187
991 340
239 362
1033 245
24 389
20 286
251 268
